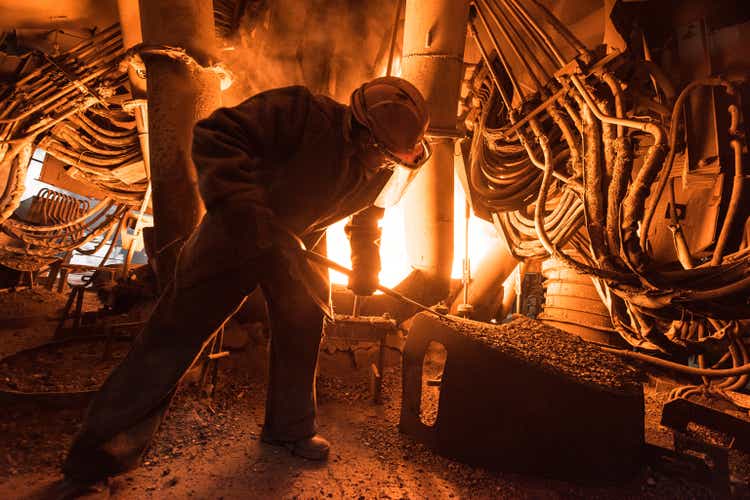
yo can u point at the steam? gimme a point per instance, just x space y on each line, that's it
330 46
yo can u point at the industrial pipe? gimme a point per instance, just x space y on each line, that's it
130 25
433 49
178 96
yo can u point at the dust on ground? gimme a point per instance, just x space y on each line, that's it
211 448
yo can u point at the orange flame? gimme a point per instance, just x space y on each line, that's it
395 263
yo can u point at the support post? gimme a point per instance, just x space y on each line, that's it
177 98
130 26
485 292
433 50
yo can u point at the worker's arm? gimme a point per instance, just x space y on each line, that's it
364 237
236 149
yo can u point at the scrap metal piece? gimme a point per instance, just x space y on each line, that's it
679 412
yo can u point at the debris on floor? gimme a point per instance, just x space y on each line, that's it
525 397
211 448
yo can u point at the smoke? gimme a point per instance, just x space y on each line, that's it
330 46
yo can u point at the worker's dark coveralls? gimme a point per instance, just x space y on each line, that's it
279 158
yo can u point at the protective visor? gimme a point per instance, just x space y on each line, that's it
403 173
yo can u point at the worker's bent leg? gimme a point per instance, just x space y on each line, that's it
210 284
296 325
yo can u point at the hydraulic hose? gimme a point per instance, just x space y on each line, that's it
688 370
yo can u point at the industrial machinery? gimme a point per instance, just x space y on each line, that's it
605 141
623 165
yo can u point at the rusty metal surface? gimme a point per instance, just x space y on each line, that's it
525 397
350 333
178 97
678 415
680 412
432 59
572 304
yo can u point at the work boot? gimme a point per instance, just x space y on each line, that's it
315 447
69 489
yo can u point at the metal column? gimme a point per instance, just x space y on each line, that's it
177 98
130 25
433 49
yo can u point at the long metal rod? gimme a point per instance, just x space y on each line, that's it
533 34
689 370
320 259
513 46
555 22
499 52
495 80
543 34
524 46
467 262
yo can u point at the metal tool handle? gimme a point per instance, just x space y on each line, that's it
320 259
325 261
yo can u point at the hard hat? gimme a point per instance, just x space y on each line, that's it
394 112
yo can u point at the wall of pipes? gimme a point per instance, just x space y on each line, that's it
599 159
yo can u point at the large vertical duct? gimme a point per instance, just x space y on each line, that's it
178 96
433 49
130 25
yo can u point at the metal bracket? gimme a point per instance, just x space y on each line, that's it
678 413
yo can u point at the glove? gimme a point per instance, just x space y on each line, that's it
365 260
363 283
364 238
364 278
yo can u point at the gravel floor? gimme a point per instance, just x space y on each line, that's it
212 449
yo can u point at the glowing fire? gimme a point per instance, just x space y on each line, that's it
394 261
395 264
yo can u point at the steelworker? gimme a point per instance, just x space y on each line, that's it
284 161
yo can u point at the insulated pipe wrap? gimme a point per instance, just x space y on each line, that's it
429 220
178 97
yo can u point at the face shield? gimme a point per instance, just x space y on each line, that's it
405 168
